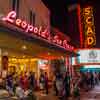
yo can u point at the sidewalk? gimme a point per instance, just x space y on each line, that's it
92 95
3 94
50 96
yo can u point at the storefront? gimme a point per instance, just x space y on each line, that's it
25 48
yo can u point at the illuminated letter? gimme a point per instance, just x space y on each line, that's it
45 33
64 43
18 22
24 24
68 46
35 30
88 20
89 30
40 29
59 42
10 17
29 28
87 10
71 48
90 40
56 37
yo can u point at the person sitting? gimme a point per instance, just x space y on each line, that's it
24 94
19 92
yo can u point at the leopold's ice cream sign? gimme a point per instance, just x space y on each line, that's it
89 29
39 32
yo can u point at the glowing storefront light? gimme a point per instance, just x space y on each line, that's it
43 64
32 30
92 66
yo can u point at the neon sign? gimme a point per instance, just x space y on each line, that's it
90 38
11 18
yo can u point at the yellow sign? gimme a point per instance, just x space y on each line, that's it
90 40
89 29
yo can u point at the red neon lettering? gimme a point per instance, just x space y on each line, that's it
55 38
65 45
18 22
68 46
10 17
72 47
60 42
43 34
47 33
64 42
57 41
24 24
29 28
40 29
35 30
49 38
54 41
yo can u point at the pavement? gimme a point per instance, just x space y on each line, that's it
42 96
94 94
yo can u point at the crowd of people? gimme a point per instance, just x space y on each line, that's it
20 85
26 84
88 80
61 85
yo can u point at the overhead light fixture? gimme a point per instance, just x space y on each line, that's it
23 56
48 53
24 47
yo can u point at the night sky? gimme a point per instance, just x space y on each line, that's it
67 22
97 24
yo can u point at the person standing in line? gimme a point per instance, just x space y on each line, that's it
32 81
59 84
24 81
54 86
92 80
67 85
46 82
42 82
9 83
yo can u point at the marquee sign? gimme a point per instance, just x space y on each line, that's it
88 27
39 32
88 56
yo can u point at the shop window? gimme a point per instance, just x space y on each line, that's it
15 6
32 17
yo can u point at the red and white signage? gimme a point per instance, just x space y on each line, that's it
43 33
